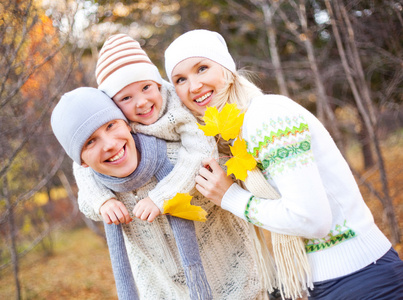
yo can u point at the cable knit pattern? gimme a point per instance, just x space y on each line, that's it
226 248
176 123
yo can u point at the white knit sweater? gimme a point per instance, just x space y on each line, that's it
175 123
226 245
320 199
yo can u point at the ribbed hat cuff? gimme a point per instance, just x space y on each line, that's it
198 43
224 60
88 127
127 75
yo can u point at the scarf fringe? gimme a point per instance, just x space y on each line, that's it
265 262
293 269
199 288
293 272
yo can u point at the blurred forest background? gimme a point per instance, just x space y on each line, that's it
343 60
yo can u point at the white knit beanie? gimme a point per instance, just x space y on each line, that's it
198 43
121 62
78 115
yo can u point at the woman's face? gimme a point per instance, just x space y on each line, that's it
197 81
111 150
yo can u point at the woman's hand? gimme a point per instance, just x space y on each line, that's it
212 181
114 211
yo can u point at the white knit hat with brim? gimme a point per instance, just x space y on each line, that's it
121 62
198 43
78 115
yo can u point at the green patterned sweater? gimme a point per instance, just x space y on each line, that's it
320 200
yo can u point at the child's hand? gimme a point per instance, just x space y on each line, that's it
212 181
114 211
145 209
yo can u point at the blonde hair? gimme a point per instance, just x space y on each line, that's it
238 89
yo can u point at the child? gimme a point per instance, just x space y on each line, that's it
126 74
99 137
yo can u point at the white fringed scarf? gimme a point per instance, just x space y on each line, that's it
293 272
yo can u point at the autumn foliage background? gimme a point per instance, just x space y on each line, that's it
341 59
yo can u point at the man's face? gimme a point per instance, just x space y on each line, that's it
111 150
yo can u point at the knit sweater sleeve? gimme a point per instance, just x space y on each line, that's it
195 147
279 136
91 194
178 123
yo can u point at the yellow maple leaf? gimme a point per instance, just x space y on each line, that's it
179 206
241 161
211 119
227 122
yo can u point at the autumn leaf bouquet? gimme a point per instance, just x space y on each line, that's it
227 123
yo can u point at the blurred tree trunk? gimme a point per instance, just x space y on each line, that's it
351 64
13 238
365 143
37 61
323 107
268 12
355 77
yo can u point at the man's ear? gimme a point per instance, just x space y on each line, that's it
84 165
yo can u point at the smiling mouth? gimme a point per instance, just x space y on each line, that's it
146 111
117 156
204 97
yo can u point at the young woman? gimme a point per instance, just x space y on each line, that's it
319 200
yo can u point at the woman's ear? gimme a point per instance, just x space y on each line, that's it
84 165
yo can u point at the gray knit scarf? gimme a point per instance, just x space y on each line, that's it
122 271
154 162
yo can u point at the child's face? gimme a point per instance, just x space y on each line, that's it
197 80
140 101
111 150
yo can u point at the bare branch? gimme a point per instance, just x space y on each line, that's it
35 189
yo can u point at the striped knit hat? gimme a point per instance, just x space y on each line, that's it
121 62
